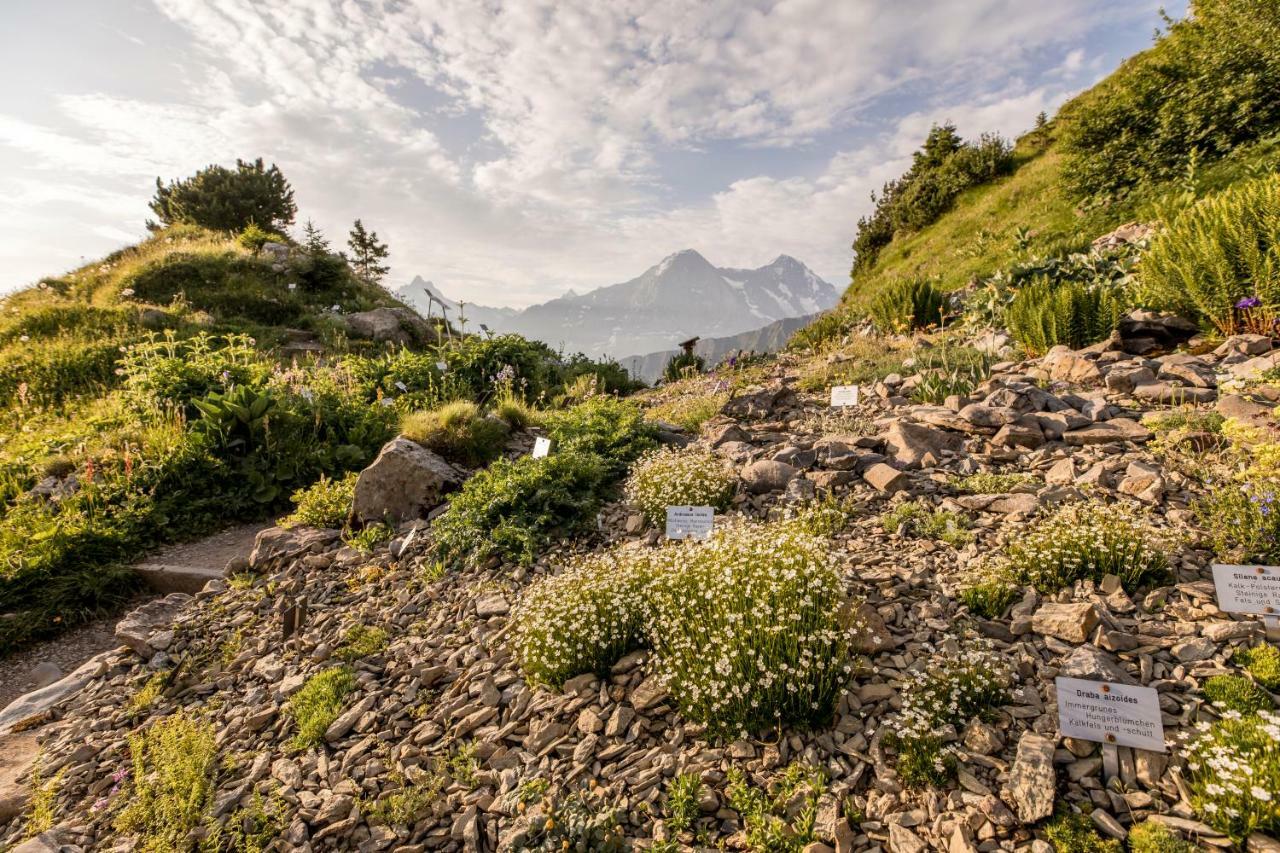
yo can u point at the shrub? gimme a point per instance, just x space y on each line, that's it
958 687
1236 693
1207 86
1220 260
825 517
1263 663
918 520
369 537
223 199
486 366
989 598
1152 837
1071 832
583 619
254 238
1242 520
319 702
1233 771
512 508
458 432
1045 314
1088 540
987 483
671 477
783 818
751 628
174 764
907 305
605 376
683 364
949 370
325 503
689 411
612 429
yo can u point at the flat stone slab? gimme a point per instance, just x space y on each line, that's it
33 709
1106 432
165 578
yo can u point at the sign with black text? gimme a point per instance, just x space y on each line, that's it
845 395
541 447
690 522
1248 589
1106 712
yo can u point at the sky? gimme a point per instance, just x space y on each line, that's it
510 151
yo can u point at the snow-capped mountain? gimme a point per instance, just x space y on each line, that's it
682 297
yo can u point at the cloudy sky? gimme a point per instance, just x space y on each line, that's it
512 149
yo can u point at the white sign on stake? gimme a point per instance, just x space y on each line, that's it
541 447
690 522
1110 713
844 395
442 366
1248 589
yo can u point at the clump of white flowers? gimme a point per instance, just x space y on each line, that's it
961 682
752 628
749 629
671 477
1088 540
583 619
1233 771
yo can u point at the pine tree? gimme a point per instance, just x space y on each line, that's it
313 240
225 199
367 253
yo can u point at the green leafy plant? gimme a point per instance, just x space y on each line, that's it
325 503
1152 837
672 477
459 432
1263 663
1045 314
907 305
612 429
1220 260
174 763
42 808
917 519
989 598
988 483
317 704
369 537
362 641
683 794
512 508
682 365
254 238
1071 832
783 817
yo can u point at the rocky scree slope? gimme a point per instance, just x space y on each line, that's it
442 745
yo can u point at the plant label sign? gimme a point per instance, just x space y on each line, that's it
690 522
1110 713
844 395
442 366
541 447
1248 589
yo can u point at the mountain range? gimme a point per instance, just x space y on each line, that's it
682 297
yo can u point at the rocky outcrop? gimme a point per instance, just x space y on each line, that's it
405 482
391 325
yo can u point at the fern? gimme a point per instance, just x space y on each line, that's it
907 305
1045 314
1222 250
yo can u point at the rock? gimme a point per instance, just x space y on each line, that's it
393 325
1032 783
1063 472
1164 331
914 445
152 620
1142 481
32 709
758 404
1075 369
886 478
1125 377
1129 233
1019 435
45 842
723 433
1093 664
406 481
1072 621
1187 369
492 605
275 546
1244 345
903 840
45 673
1107 432
1197 649
1170 394
768 476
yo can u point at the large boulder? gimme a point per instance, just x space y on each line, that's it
914 445
150 628
394 325
405 482
768 475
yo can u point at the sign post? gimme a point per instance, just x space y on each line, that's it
541 447
1250 589
1111 714
690 522
845 395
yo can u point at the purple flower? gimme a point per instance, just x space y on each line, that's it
1249 302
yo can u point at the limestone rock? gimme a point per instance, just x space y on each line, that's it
1071 621
1032 783
768 475
914 445
155 619
406 481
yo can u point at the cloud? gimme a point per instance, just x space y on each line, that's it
520 147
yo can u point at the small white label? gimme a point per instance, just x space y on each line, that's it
442 366
1106 712
541 447
844 395
1248 589
690 522
402 386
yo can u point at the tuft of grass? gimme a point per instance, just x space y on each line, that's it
42 809
990 484
147 695
459 432
990 598
174 766
1071 832
920 521
1236 693
319 702
689 411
